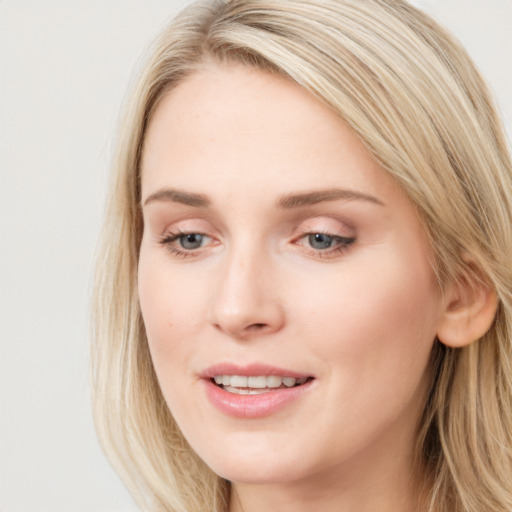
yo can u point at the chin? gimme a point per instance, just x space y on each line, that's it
250 474
264 467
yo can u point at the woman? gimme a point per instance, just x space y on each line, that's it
304 291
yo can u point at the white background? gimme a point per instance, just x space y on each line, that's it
64 69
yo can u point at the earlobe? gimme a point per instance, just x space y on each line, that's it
469 312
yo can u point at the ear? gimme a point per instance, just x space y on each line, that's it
470 308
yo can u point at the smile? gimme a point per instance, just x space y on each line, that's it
256 385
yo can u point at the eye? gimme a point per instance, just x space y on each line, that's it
186 243
191 241
324 244
321 240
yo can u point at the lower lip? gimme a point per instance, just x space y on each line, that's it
253 406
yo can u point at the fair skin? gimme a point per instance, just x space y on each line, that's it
247 260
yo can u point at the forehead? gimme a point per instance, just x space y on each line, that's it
234 126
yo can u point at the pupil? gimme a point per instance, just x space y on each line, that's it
320 241
191 241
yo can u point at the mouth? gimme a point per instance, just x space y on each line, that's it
258 384
254 390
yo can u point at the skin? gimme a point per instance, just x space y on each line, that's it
362 319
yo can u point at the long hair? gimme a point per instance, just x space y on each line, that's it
416 101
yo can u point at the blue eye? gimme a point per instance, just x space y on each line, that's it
321 241
326 246
185 244
191 241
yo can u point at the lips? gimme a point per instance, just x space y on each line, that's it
253 369
254 390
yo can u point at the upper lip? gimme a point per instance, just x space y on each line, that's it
252 369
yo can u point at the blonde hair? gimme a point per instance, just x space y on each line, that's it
415 99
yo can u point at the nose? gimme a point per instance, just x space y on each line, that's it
246 303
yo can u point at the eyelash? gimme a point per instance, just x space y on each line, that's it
342 244
168 240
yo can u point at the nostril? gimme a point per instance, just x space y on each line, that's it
256 327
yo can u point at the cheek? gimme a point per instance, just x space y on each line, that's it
384 296
172 312
372 333
374 321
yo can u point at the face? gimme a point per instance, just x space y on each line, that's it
284 280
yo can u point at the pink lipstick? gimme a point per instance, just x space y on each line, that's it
254 390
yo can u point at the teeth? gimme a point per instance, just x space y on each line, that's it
238 381
257 382
246 391
273 381
254 385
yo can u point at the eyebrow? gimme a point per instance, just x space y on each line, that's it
287 201
319 196
179 196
